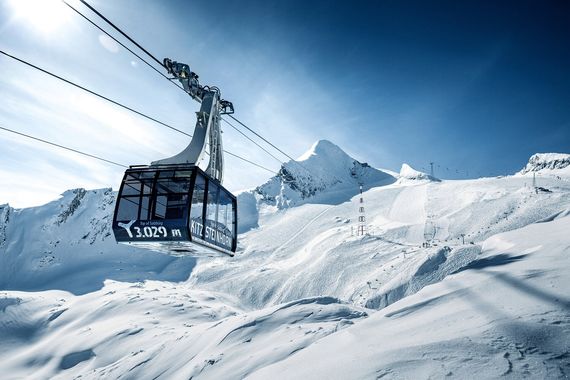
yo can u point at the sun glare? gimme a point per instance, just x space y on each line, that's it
45 16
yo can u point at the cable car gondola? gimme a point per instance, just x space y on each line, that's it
174 206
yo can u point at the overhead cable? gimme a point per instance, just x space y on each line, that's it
121 105
247 137
120 43
120 31
161 64
155 59
93 93
261 137
63 147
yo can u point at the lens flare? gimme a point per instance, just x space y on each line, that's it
45 16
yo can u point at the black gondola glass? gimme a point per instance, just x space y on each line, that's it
177 209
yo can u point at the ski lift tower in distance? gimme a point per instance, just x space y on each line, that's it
173 205
361 227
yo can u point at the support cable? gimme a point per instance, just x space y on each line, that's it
174 83
122 105
93 93
249 138
261 137
122 44
63 147
120 31
251 162
160 63
156 60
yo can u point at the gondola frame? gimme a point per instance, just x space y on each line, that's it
184 242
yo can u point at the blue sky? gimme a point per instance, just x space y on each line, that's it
476 87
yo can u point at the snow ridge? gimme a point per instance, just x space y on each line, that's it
433 268
407 173
73 205
5 211
548 162
323 168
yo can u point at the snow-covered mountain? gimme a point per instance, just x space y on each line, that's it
548 163
309 249
67 244
453 278
325 173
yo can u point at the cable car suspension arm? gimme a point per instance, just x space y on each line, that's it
207 131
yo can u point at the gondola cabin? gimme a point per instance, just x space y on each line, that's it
172 205
177 209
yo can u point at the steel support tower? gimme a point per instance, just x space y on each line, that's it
361 227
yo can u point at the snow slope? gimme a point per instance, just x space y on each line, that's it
74 303
506 315
308 250
155 329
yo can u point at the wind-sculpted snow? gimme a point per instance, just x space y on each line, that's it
506 315
429 269
157 329
434 281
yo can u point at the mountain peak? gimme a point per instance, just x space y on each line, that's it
322 148
324 169
554 163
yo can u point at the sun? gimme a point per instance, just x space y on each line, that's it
46 16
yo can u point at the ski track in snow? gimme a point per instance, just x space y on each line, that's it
302 289
296 234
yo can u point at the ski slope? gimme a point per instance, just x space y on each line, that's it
505 315
309 250
454 278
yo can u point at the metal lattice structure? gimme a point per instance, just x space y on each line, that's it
361 226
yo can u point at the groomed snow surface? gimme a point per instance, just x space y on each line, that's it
456 279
